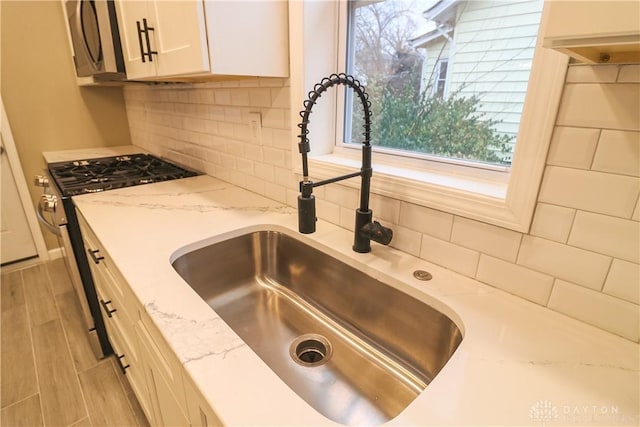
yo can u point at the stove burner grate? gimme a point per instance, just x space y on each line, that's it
94 175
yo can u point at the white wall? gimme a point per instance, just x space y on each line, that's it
47 109
582 254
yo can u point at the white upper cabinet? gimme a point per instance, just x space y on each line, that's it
194 38
595 31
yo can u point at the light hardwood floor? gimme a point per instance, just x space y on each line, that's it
49 375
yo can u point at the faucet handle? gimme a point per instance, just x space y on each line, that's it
377 232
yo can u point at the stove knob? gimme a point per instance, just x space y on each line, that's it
48 202
41 181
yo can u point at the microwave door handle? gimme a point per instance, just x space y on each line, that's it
82 36
52 228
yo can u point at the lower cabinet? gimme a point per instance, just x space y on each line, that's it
166 409
154 371
200 413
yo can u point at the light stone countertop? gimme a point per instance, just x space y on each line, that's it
518 364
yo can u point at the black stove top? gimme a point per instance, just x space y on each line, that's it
108 173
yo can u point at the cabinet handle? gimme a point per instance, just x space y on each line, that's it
123 368
94 255
106 307
140 31
146 30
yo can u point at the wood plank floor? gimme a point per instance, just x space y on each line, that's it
49 375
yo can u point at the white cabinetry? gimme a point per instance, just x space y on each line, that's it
196 38
163 38
119 311
152 368
164 380
200 413
594 31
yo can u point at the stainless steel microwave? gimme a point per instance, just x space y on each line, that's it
93 27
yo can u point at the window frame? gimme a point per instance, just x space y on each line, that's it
437 79
504 197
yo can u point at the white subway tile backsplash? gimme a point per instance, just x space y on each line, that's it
552 222
233 115
592 74
618 152
264 172
216 112
235 148
206 96
225 129
449 255
609 313
573 147
616 237
253 152
623 281
515 279
587 211
280 97
222 96
240 97
248 83
342 195
406 240
275 192
274 118
327 211
273 156
286 178
244 166
385 208
425 220
272 82
607 106
576 265
259 97
347 218
592 191
254 184
292 197
282 139
485 238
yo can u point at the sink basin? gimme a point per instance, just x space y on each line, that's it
357 350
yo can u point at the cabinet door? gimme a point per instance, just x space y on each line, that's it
166 410
131 14
200 413
180 37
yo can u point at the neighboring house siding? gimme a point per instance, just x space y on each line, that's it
494 45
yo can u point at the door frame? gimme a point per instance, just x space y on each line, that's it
23 191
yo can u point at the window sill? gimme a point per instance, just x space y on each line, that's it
476 197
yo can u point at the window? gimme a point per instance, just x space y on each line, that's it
440 79
500 195
447 77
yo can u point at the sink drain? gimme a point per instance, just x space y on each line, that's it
310 350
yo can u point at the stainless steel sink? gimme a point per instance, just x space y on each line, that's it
357 350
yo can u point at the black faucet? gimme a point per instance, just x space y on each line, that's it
366 229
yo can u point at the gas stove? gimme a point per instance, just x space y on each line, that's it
108 173
56 212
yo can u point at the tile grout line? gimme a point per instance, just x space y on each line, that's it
21 400
33 346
